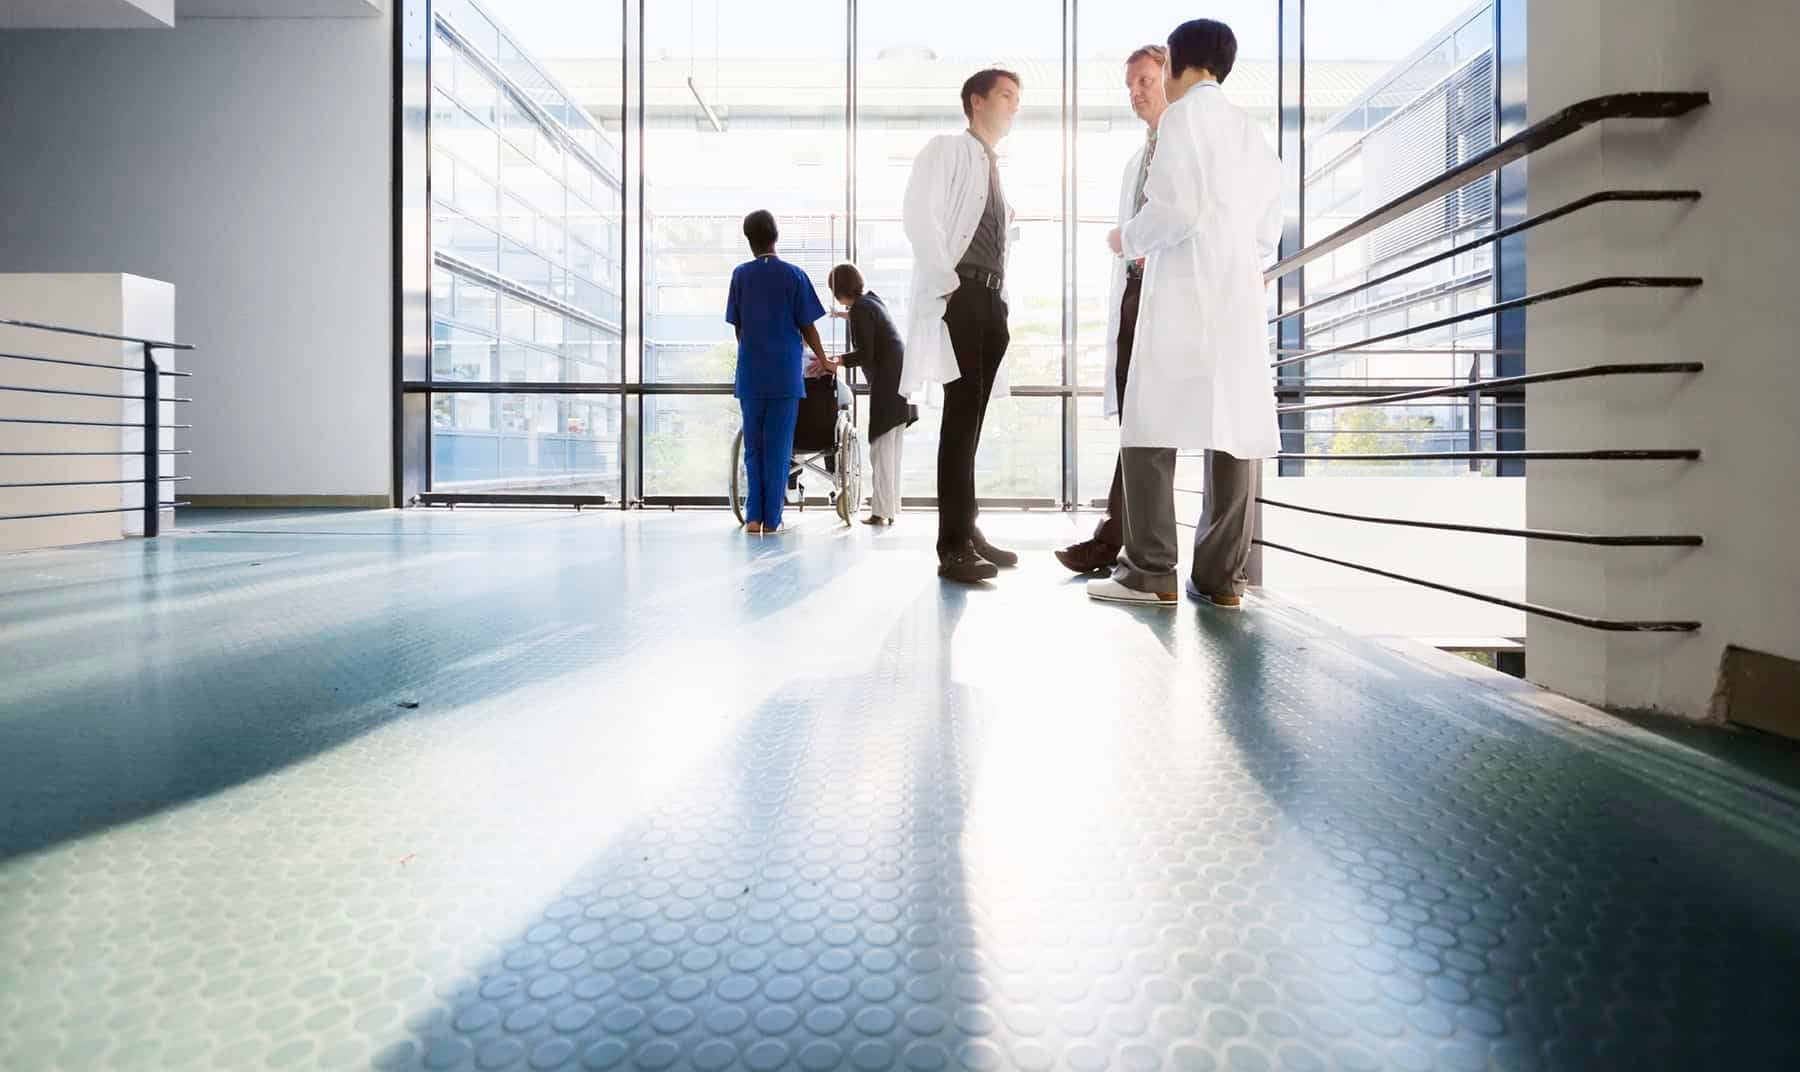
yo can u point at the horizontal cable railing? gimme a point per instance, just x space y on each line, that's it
152 425
1588 286
1570 120
1612 625
1601 198
1466 382
1512 455
1591 539
1486 386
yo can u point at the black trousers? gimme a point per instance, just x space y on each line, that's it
976 318
1111 530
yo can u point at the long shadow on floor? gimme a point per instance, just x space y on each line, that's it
1461 886
803 904
196 700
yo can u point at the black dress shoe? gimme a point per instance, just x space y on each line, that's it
993 554
1088 556
966 566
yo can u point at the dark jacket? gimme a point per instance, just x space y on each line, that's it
875 347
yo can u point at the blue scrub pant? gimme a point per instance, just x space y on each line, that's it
768 451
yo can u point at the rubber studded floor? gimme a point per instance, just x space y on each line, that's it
526 789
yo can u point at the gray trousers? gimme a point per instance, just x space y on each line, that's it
1227 523
1152 553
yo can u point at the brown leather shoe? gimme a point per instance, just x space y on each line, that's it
1218 599
966 566
1088 556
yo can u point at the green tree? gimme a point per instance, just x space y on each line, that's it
1369 430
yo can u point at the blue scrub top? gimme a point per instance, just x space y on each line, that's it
770 301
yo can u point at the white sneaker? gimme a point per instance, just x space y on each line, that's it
1112 591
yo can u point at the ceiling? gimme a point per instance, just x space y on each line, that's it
87 14
163 14
274 9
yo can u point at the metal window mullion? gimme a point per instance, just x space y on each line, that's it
1071 107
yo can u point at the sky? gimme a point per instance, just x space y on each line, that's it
1337 29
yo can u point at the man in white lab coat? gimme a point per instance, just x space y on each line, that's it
956 219
1144 83
1200 375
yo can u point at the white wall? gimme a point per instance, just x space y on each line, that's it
1367 604
247 163
1743 154
118 305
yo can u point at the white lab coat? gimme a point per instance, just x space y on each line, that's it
945 197
1127 203
1200 375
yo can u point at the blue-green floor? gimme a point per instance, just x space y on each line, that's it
524 789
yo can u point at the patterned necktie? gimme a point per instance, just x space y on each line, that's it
1143 177
1144 170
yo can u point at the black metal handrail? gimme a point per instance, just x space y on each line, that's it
1552 535
1362 390
1601 198
1509 455
1611 625
86 424
82 453
58 329
85 483
1570 120
1485 386
86 364
82 513
152 425
79 394
1611 282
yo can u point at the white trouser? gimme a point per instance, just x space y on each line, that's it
884 460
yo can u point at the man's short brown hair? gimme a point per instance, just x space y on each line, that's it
981 83
1159 53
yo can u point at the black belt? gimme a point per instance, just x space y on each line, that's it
1134 270
990 280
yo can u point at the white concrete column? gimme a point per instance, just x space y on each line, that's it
1742 238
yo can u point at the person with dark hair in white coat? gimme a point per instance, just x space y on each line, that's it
956 220
1200 375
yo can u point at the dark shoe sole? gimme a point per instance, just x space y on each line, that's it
1074 565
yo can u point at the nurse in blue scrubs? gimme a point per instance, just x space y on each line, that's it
772 306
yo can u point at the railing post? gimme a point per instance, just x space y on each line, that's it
152 445
1474 409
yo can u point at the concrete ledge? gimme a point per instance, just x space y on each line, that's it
282 502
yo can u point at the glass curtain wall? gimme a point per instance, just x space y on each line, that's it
1421 98
526 212
912 60
745 108
536 385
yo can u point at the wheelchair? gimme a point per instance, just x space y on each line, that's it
827 444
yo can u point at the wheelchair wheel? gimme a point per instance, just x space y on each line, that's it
740 481
849 471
